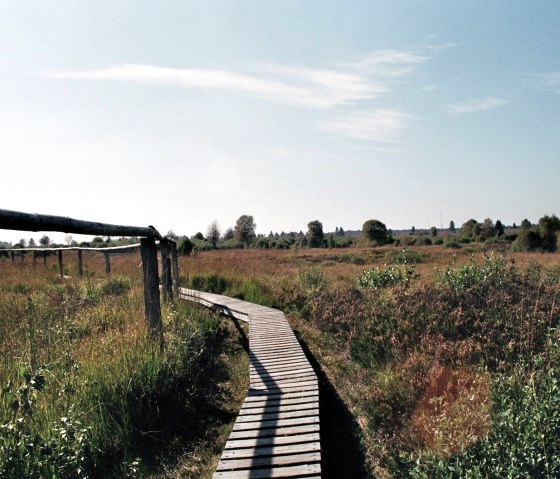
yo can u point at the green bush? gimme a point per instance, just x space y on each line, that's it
377 278
525 434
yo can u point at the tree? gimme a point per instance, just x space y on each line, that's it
413 230
228 235
45 241
68 240
244 230
171 235
527 239
315 234
21 243
469 229
548 226
452 226
31 243
500 230
433 231
199 236
213 234
488 228
185 246
375 231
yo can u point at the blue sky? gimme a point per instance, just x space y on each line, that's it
177 113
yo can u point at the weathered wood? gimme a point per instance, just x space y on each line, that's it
166 281
175 268
17 220
13 255
152 307
60 265
80 264
107 262
276 433
78 248
34 256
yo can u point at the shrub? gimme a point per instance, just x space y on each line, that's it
377 278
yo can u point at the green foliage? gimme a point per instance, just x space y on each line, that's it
211 283
312 280
378 278
492 271
116 286
525 434
375 231
185 246
63 452
315 234
244 230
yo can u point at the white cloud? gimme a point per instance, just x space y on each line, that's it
289 85
476 105
380 126
320 88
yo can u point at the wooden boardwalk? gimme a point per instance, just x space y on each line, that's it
276 434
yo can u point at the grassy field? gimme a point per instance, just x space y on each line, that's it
447 360
84 394
439 358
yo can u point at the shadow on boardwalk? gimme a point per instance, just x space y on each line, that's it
342 455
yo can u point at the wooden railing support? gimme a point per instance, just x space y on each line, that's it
60 266
166 281
107 262
152 307
80 263
175 269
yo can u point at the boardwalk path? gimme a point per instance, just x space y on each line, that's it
277 431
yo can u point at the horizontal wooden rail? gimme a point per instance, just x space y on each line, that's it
17 220
72 248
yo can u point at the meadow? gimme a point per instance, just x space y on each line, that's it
85 394
447 361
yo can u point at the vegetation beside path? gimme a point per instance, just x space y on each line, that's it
448 362
84 394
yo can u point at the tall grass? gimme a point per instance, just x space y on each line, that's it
84 393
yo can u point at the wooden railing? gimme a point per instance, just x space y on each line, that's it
16 220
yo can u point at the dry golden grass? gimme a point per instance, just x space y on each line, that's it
271 267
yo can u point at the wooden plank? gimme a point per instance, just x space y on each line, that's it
280 431
272 473
277 415
295 439
283 460
271 451
276 433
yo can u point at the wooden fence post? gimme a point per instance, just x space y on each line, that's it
152 307
80 264
175 268
34 259
44 258
21 257
60 266
166 281
107 262
12 254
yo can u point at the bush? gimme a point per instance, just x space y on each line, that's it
377 278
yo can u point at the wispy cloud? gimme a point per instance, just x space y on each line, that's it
545 80
379 126
390 63
322 88
304 87
476 105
